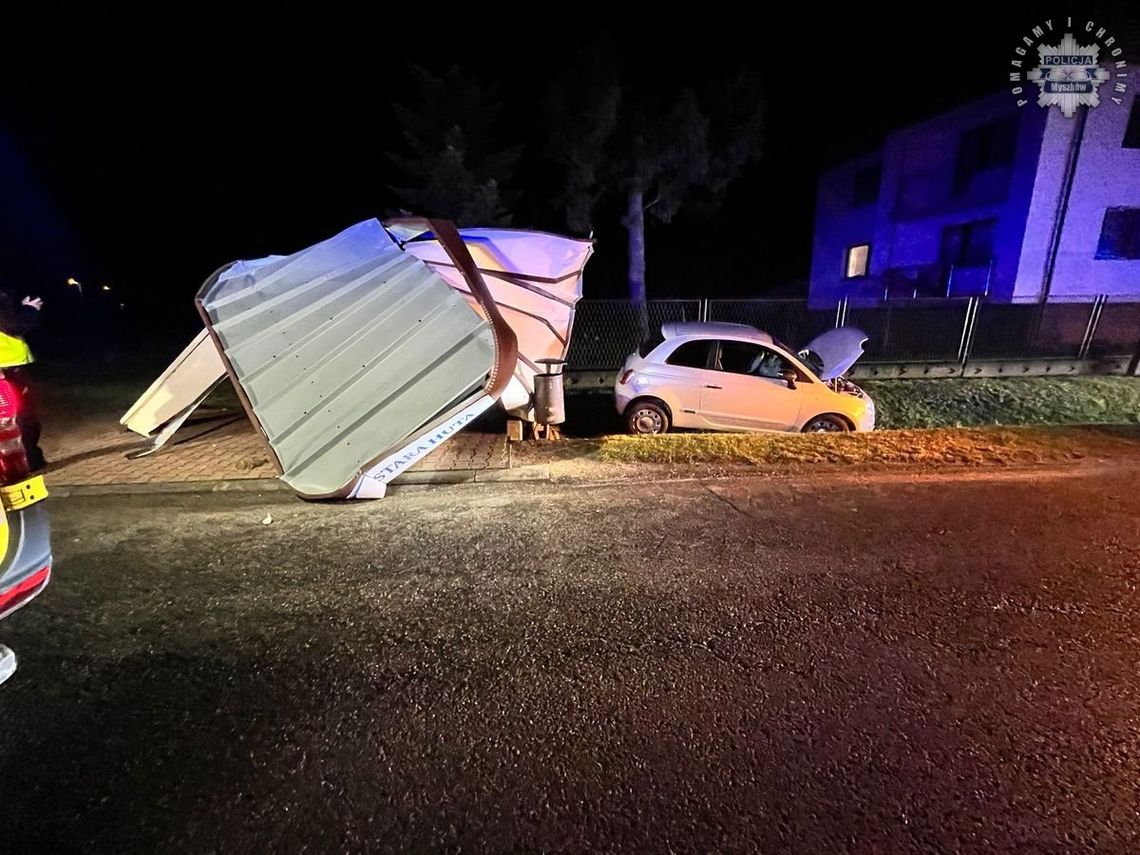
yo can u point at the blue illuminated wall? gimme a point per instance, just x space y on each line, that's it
970 202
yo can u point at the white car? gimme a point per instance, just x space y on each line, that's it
717 376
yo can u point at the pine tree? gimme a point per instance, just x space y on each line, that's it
454 162
660 147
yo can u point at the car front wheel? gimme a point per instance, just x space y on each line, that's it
646 417
826 424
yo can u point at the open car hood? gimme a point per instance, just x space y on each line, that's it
835 351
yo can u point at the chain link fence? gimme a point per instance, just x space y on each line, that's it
607 331
788 321
919 331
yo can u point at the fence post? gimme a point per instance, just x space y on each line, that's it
1094 322
968 330
1134 363
704 310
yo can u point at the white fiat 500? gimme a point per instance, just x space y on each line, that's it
717 376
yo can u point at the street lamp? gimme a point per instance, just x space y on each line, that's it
71 280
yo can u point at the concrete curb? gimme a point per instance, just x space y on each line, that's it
274 485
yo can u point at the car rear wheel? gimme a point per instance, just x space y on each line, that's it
646 417
826 424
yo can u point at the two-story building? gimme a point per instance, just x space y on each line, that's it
1014 204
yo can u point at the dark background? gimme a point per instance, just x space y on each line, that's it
142 150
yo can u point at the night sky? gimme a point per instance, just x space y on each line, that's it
145 150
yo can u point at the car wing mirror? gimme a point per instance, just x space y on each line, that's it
789 378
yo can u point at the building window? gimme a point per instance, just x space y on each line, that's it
858 259
866 186
969 244
1120 234
984 148
1132 132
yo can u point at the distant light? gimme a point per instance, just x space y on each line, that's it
106 287
73 281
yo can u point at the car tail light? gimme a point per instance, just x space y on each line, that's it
21 592
13 457
625 375
9 400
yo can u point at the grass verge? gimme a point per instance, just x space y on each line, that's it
954 402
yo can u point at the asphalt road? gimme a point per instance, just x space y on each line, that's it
878 665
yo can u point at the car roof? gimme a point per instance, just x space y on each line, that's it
715 329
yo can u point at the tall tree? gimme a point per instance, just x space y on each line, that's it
455 163
658 146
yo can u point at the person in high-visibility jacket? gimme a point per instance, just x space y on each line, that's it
15 357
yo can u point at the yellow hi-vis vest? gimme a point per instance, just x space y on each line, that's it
13 351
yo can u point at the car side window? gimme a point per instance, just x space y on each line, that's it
737 357
691 354
771 364
740 357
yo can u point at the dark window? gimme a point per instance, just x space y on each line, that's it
866 187
736 356
771 364
1120 234
691 354
968 244
984 148
741 357
1132 132
650 344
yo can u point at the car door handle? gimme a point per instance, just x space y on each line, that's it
710 386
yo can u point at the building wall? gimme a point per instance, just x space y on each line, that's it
923 160
839 225
916 203
1106 176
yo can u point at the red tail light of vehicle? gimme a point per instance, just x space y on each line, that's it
18 594
13 457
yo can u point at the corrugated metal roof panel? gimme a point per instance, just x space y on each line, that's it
345 349
535 279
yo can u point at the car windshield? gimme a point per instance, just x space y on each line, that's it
812 360
809 358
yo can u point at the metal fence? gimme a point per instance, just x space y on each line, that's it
916 331
607 331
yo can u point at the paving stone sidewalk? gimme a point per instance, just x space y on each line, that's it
92 451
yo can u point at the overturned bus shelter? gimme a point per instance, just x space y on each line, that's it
356 357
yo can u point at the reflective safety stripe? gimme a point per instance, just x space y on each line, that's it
13 351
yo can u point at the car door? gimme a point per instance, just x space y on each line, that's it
684 373
745 390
